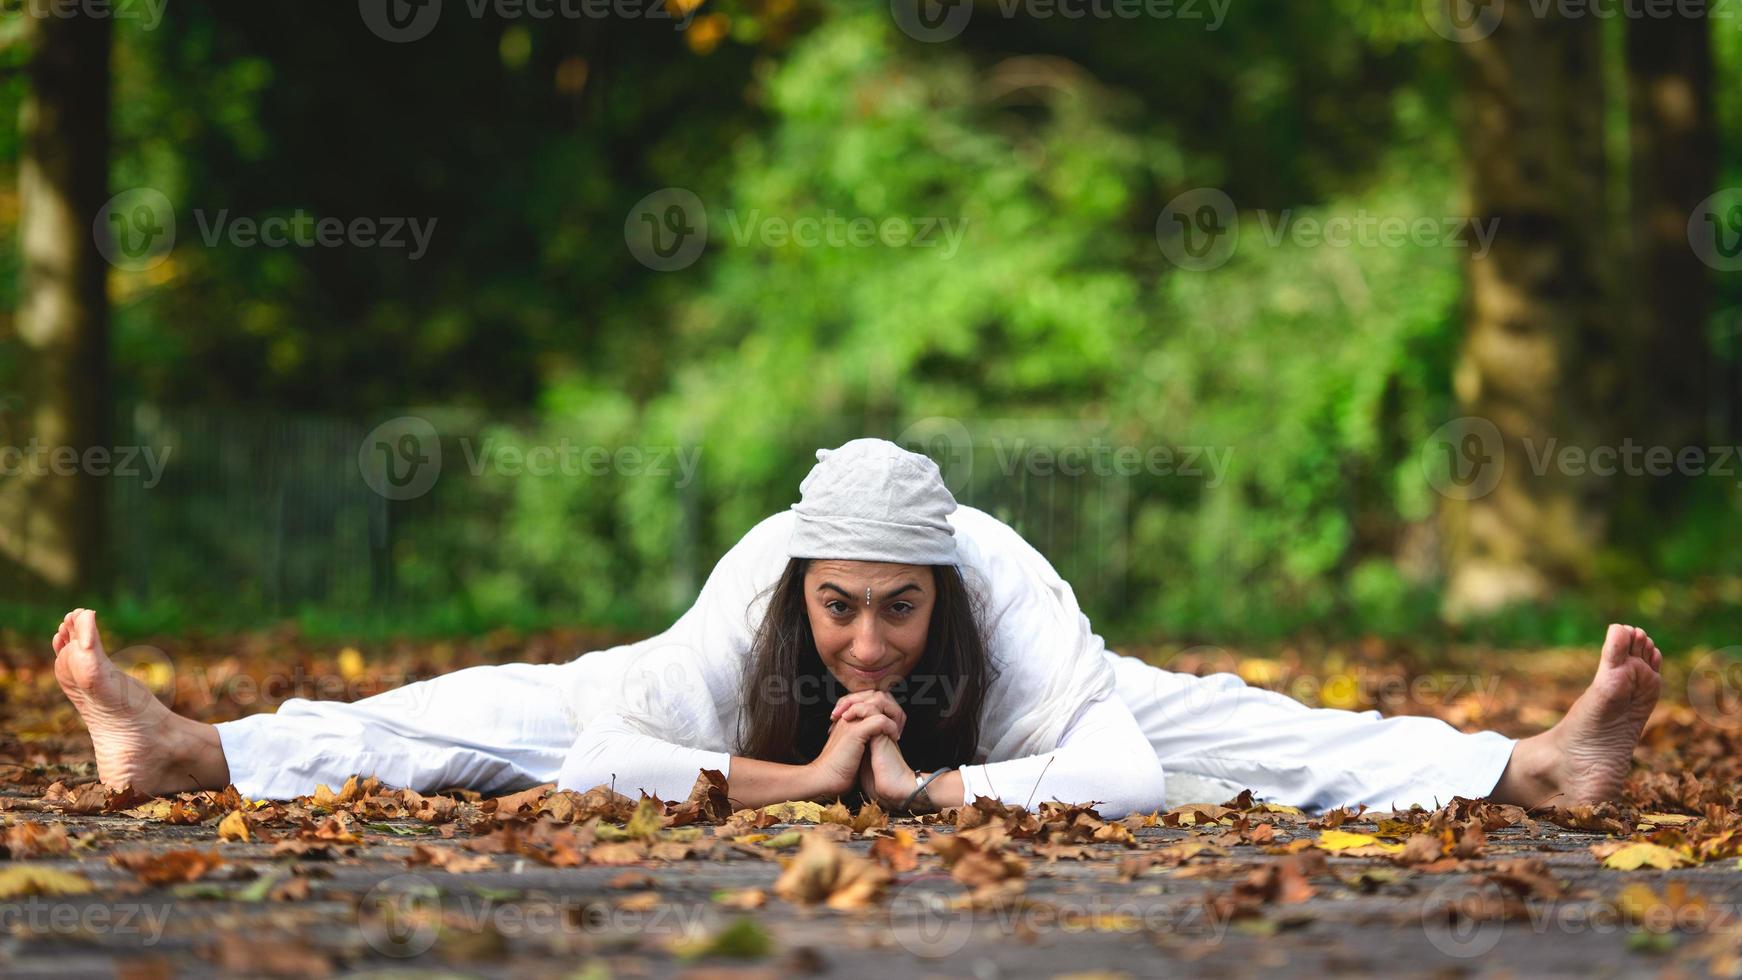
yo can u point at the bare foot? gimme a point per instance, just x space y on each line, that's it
1585 757
140 743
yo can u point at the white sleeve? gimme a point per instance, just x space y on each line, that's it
676 706
612 752
662 729
1103 758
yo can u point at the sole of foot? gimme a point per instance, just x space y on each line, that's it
132 733
1595 741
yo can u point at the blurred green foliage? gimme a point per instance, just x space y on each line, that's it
1055 320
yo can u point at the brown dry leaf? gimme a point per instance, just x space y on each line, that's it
1171 856
1470 841
169 867
707 803
896 853
251 955
1065 852
27 839
822 871
289 890
632 879
743 898
87 799
447 859
524 803
836 813
1197 815
336 828
640 902
309 849
870 817
1420 849
1525 877
618 852
976 865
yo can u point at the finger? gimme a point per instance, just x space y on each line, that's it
891 707
848 701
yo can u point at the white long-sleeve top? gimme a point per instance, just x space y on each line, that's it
1049 728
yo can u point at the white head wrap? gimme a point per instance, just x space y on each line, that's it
872 500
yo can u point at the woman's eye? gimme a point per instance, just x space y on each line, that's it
837 607
901 608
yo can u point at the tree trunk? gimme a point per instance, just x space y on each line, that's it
1539 361
1674 167
51 524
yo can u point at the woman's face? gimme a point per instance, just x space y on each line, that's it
869 619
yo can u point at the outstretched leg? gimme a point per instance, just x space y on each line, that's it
1215 734
492 728
1584 758
140 743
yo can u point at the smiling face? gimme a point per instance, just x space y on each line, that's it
869 642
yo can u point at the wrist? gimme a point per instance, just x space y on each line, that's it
899 793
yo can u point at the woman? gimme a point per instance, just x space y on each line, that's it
876 636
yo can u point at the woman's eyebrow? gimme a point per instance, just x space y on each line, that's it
830 585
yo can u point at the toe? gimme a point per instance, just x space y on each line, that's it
85 627
1616 644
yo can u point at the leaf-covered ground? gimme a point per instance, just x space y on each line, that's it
366 878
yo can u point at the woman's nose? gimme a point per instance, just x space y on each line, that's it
868 645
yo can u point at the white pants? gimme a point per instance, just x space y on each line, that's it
500 728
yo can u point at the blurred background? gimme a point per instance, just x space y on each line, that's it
1259 319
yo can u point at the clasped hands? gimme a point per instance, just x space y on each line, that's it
863 749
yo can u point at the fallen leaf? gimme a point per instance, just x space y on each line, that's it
447 859
798 811
168 867
21 880
824 872
235 828
1355 845
1633 855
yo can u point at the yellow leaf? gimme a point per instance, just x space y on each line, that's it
1665 819
234 827
1343 840
797 811
34 879
1640 854
351 664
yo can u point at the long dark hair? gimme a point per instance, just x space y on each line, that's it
788 693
